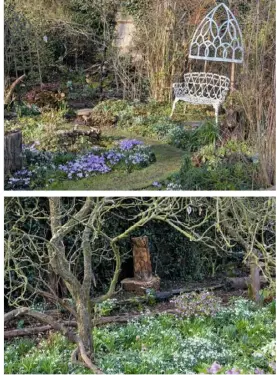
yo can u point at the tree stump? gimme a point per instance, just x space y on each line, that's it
143 278
12 152
255 281
237 283
141 255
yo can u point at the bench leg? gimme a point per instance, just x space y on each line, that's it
173 107
216 109
185 107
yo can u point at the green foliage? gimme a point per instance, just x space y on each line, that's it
228 167
48 132
20 323
197 304
105 308
192 140
113 107
135 7
225 177
83 92
239 336
23 109
49 356
231 166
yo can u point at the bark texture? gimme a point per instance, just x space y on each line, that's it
255 284
245 282
12 152
142 261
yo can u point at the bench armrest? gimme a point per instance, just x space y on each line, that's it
180 89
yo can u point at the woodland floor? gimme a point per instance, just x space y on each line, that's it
240 340
190 153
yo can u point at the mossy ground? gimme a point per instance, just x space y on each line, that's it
168 162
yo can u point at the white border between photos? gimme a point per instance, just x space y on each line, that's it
141 193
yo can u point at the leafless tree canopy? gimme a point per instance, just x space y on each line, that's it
52 237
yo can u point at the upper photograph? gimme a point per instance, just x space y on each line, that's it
139 95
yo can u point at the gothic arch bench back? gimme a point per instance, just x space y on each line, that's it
217 38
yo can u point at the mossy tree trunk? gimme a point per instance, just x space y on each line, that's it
90 215
80 292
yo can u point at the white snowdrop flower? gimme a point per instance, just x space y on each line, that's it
45 39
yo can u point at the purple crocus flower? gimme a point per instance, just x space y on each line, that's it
258 371
156 184
215 367
128 144
233 371
114 157
89 163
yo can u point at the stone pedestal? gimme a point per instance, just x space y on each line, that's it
143 278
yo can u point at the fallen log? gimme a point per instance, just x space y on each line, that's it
58 326
117 319
166 295
238 283
93 134
8 95
26 331
15 313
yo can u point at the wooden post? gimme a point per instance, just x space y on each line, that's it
255 281
232 77
12 152
141 256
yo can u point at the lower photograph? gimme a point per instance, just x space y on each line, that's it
140 285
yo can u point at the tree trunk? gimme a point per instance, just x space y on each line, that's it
243 282
84 324
12 152
255 284
141 255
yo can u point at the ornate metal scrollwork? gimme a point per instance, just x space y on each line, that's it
218 37
202 88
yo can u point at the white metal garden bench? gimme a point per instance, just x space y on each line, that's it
217 38
202 88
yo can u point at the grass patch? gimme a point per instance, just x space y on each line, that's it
168 162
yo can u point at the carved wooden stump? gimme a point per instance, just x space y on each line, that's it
143 278
12 152
142 262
